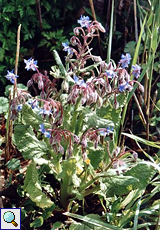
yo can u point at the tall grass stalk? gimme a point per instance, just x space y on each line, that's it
110 34
9 128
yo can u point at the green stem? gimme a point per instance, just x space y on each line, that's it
79 123
75 114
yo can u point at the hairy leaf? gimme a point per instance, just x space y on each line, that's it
143 172
119 185
3 105
93 120
96 157
27 142
30 117
33 188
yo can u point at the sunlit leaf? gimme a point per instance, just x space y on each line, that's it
27 142
33 188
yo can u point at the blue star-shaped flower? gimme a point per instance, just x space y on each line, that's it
136 70
84 21
67 48
125 60
106 131
31 64
11 76
79 82
43 130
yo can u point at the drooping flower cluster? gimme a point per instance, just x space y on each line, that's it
103 79
84 90
93 135
59 136
17 103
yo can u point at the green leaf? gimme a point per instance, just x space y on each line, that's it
13 164
27 142
96 157
48 211
79 226
136 53
57 225
143 172
59 63
91 119
11 87
33 188
3 105
30 117
154 39
111 113
131 46
38 222
120 185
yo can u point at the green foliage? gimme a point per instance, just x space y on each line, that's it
130 48
30 117
143 172
3 105
33 148
92 120
13 164
108 175
9 88
53 40
16 12
38 222
34 190
120 185
96 156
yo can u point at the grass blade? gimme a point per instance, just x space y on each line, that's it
110 34
92 221
136 215
143 141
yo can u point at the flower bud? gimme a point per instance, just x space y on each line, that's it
42 95
101 28
76 31
40 84
141 88
116 151
29 83
61 149
135 155
65 86
73 41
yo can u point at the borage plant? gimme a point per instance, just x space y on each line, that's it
71 134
